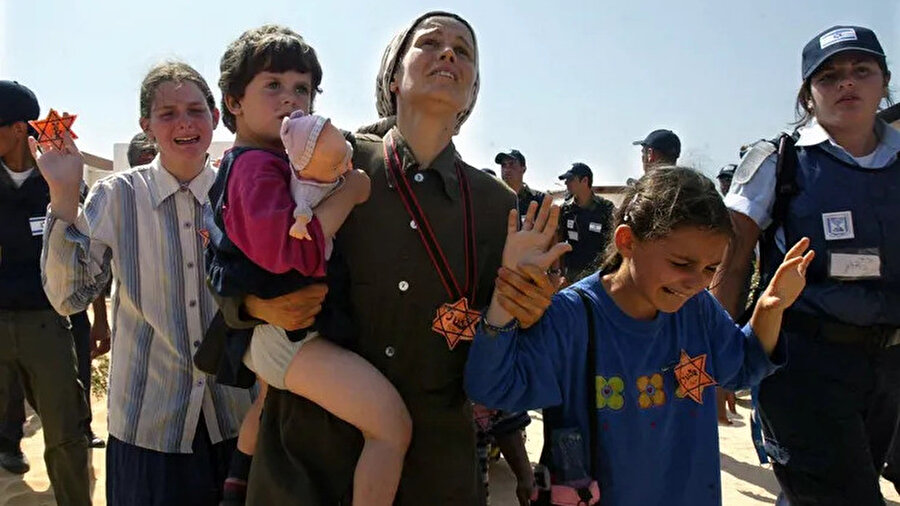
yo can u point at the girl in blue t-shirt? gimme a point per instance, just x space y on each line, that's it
661 344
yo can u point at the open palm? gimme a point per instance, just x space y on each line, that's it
61 168
532 244
790 278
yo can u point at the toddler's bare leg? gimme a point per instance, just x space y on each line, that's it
352 389
250 426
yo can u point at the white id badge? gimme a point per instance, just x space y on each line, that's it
838 226
570 223
37 225
854 265
595 227
573 235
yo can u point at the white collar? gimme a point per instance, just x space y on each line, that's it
164 183
813 134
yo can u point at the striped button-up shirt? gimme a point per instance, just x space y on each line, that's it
142 228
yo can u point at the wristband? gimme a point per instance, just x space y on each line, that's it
512 325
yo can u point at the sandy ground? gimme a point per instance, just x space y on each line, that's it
33 489
744 482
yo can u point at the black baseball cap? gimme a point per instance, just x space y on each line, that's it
515 154
727 171
578 170
17 103
664 141
838 39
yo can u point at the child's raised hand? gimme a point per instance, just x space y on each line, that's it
532 244
63 168
789 279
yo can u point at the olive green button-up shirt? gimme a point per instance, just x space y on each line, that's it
305 455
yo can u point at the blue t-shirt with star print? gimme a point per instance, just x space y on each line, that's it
658 445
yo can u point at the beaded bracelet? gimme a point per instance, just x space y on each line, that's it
512 325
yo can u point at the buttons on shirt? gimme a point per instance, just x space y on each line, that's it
200 383
196 344
413 225
192 303
190 265
403 286
389 352
187 224
419 177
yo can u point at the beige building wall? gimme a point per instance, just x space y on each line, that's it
120 153
95 168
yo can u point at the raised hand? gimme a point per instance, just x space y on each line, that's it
59 166
532 244
63 170
790 278
526 257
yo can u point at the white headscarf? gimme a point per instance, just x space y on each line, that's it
385 101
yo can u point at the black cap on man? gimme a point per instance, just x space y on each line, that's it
660 148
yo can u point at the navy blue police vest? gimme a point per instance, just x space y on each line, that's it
21 235
850 214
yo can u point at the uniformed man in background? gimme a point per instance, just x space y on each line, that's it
585 222
36 343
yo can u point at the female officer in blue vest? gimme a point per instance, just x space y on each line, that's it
829 414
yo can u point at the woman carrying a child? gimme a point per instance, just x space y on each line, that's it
428 238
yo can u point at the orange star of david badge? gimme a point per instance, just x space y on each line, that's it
50 130
456 322
692 376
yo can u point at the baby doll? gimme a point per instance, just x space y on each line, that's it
320 156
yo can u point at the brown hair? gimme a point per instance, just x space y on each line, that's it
271 48
665 199
176 72
803 109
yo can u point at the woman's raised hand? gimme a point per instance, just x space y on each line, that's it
525 293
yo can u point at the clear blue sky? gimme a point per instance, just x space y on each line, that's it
561 81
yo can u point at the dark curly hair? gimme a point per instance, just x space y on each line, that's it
269 48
